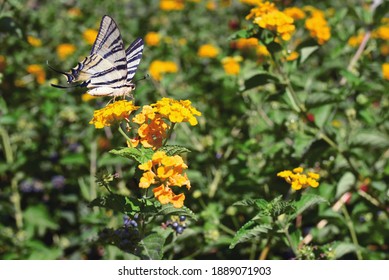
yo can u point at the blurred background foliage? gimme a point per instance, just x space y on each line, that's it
50 154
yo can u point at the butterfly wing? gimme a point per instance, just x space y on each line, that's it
106 66
134 55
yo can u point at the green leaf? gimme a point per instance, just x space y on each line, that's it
259 80
39 219
118 203
251 202
141 155
306 52
172 150
169 209
345 184
317 99
370 138
249 231
152 246
74 160
344 248
306 201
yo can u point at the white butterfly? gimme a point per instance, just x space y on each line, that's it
109 69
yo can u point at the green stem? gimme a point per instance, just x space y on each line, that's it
169 134
290 241
124 134
226 229
353 234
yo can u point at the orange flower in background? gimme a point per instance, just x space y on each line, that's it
208 51
33 41
90 35
231 65
159 67
295 13
74 12
171 5
385 71
152 39
243 43
292 56
37 71
64 50
165 172
114 112
261 9
382 32
355 41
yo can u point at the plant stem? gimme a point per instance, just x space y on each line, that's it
353 234
169 134
124 134
265 250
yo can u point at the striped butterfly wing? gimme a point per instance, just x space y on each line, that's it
134 55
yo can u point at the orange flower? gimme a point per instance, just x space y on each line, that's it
207 51
152 39
318 26
37 71
231 65
171 5
385 71
90 35
243 43
158 68
64 50
33 41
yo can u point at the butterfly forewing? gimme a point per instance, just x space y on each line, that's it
134 55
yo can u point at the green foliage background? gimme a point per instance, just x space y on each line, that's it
249 132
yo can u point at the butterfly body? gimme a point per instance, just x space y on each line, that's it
109 69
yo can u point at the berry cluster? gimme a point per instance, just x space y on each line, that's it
178 225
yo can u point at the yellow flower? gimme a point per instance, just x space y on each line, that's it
112 113
64 50
158 68
177 111
165 171
355 41
243 43
295 13
298 180
152 39
382 32
33 41
385 71
87 97
171 5
37 71
90 35
278 22
251 2
231 65
261 9
262 51
292 56
317 26
207 51
384 49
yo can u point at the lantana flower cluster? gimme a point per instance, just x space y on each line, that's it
298 179
317 25
165 172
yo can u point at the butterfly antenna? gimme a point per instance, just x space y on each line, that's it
63 73
145 77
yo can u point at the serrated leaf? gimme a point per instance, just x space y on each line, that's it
172 150
141 155
306 201
249 231
370 138
118 203
169 209
259 80
248 202
345 184
306 52
152 246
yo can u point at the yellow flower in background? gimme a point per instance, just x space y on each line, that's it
384 49
38 72
251 2
177 111
262 51
211 5
317 25
231 64
298 180
90 35
295 13
243 43
261 9
166 172
292 56
355 41
33 41
158 68
171 5
385 71
277 21
208 51
112 113
152 39
87 97
382 32
64 50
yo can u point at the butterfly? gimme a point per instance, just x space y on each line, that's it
109 69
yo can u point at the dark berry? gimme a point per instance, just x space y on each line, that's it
180 229
182 218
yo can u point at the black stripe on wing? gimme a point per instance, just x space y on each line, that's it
134 55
